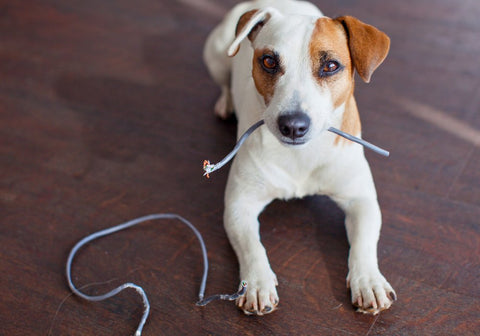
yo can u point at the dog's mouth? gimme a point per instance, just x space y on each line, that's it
295 142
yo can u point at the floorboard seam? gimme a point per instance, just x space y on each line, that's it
373 323
465 164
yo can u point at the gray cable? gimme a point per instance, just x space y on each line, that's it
362 142
139 289
126 225
229 297
209 168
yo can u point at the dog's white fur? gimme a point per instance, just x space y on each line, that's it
267 168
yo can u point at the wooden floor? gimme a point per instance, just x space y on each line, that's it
106 114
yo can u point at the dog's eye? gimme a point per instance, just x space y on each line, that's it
329 68
269 63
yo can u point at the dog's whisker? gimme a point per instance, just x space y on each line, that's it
362 142
209 168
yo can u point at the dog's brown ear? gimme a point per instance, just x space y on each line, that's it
249 25
368 45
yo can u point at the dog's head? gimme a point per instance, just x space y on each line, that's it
303 67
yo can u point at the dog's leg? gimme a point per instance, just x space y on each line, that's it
224 105
371 292
241 224
219 67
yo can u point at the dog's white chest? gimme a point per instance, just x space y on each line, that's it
290 172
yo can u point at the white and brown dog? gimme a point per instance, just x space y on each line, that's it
286 63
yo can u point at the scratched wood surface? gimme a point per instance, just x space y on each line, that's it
106 115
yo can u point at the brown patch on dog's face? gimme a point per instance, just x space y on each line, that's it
330 59
266 70
350 121
332 67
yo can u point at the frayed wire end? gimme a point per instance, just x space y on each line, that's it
226 297
207 168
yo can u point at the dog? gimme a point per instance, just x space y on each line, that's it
284 62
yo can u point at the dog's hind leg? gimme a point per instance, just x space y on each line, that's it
224 105
218 62
219 66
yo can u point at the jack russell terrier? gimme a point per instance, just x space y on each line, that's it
284 62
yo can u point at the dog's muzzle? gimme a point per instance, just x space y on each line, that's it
293 127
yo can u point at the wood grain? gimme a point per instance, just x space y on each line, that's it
106 114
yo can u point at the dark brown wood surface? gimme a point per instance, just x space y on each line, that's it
106 114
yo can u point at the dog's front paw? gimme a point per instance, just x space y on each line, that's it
371 292
261 297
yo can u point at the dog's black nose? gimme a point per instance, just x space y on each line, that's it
294 125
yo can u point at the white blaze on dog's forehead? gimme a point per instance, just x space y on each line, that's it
285 33
304 106
287 36
296 88
315 100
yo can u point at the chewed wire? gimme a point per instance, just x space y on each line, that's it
126 225
209 168
228 297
